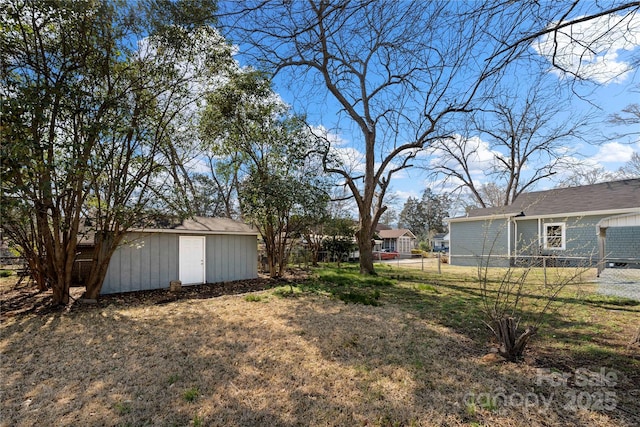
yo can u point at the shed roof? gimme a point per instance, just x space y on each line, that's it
605 196
195 225
206 225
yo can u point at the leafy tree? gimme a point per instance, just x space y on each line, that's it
412 217
425 217
339 240
275 157
96 100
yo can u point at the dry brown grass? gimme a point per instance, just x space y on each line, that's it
269 361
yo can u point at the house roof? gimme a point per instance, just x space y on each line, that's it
602 197
394 234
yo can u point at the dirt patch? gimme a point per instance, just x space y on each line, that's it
26 299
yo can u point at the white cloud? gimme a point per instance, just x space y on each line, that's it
613 152
593 49
349 159
402 197
333 138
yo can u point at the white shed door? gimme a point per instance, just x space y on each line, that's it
192 256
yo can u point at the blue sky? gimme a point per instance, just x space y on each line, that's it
608 85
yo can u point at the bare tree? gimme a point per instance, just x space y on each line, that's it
400 73
631 169
629 118
576 37
586 174
513 143
492 194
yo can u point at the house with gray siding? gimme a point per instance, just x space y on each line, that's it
440 242
597 225
200 250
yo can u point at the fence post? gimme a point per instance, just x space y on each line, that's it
439 262
544 269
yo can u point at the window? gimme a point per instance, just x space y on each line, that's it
554 236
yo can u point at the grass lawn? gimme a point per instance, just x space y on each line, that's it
331 348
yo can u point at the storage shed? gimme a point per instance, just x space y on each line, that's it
200 250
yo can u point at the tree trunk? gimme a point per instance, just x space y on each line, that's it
365 245
105 245
61 293
366 256
271 256
511 345
36 271
62 268
636 339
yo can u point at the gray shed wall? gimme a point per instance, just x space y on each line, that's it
150 261
231 258
142 262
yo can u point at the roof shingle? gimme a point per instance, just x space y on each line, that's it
624 194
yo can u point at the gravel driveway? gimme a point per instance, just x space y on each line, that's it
621 282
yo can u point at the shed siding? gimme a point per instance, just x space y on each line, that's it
143 261
471 242
150 261
231 258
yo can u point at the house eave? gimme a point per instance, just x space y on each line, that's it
480 218
544 216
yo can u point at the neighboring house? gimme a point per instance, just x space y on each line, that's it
200 250
400 240
440 242
590 224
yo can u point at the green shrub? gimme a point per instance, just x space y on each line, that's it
197 421
123 408
355 297
190 395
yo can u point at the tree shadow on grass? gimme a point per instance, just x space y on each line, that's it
403 364
307 360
